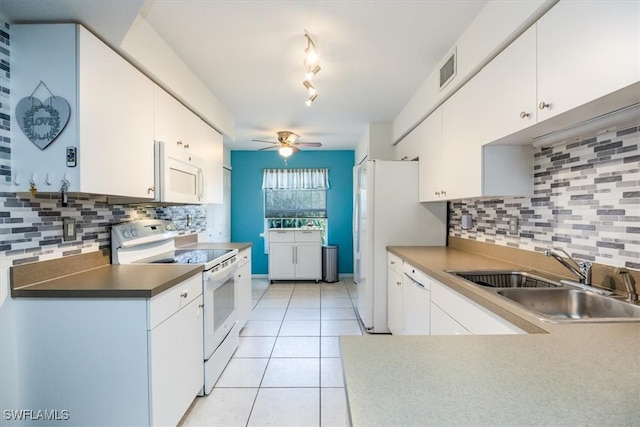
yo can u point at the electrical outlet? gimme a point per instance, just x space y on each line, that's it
513 225
68 229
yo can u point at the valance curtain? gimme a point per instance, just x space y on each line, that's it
295 179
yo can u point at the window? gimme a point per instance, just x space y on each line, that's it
295 198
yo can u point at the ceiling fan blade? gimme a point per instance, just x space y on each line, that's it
295 149
267 148
268 142
309 144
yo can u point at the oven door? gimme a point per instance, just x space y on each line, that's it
220 313
180 176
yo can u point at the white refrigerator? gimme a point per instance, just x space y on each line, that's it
387 213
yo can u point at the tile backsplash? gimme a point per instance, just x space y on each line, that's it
31 227
586 200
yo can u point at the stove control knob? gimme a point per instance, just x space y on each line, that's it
171 227
126 234
134 233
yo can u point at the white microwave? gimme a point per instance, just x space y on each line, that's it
179 175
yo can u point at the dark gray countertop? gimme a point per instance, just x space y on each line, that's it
111 281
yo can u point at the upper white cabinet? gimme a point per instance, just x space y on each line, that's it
430 165
107 144
508 101
174 124
586 50
454 164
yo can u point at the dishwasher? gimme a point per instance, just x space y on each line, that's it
416 298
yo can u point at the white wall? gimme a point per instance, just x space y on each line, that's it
499 23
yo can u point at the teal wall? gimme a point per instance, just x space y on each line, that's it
247 210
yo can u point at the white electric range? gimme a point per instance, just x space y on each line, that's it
152 241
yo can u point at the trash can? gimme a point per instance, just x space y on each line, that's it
330 263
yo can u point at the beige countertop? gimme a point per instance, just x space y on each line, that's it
558 374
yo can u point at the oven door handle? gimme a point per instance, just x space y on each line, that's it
221 275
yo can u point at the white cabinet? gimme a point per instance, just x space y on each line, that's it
295 254
408 298
110 125
586 50
395 312
114 361
508 83
175 351
468 314
454 163
243 286
409 147
221 212
430 164
443 324
177 126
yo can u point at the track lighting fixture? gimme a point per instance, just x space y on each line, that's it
312 72
312 90
313 67
311 99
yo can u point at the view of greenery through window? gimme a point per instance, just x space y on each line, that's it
286 208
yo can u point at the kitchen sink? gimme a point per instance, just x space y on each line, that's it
574 305
506 279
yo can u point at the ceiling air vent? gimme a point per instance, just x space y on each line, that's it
448 68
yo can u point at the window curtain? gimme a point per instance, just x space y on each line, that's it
295 179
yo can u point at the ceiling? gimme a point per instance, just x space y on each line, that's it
374 54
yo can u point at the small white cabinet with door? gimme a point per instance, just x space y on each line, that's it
295 255
106 146
243 286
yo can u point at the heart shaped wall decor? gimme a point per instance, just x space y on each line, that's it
42 122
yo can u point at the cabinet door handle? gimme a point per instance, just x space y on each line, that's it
524 115
543 105
183 294
398 283
179 142
151 190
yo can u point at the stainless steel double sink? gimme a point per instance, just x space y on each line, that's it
551 300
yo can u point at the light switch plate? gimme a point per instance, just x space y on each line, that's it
513 225
467 221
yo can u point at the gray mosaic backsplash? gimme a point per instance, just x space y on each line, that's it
31 228
586 200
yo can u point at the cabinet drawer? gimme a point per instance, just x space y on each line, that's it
308 236
394 263
170 301
281 236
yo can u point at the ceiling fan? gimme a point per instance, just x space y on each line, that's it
288 143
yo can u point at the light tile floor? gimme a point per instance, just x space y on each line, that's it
287 370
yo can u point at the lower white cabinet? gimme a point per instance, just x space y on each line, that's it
468 315
420 305
395 312
243 286
443 324
295 254
113 361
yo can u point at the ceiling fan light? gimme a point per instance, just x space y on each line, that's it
309 86
285 151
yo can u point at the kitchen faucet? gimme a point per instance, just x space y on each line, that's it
629 283
582 269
